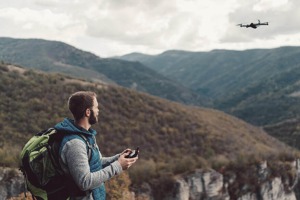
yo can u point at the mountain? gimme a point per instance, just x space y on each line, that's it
286 131
48 56
220 72
259 86
53 56
267 102
173 138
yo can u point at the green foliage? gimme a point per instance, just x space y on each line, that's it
145 169
9 156
259 86
287 131
267 102
163 185
221 72
219 162
183 165
118 188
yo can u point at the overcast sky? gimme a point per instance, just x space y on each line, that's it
117 27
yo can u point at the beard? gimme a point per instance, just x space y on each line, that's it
93 119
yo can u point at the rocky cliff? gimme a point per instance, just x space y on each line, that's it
202 185
11 183
211 185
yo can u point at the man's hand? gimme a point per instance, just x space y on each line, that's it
127 151
126 162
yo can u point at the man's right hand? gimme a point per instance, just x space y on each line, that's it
126 162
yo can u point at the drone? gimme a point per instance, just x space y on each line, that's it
253 25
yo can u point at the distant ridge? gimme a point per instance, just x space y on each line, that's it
54 56
257 85
220 72
286 131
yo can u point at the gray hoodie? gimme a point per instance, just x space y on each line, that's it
74 160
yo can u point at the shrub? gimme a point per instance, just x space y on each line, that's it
143 170
218 162
118 187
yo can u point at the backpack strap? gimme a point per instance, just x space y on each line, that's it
88 144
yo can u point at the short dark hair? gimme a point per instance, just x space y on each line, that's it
80 101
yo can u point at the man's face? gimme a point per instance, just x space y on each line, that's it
93 119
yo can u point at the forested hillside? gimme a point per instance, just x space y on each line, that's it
260 86
247 84
54 56
220 72
287 131
173 138
267 102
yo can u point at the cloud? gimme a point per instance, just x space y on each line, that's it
283 17
130 22
112 27
184 24
25 22
264 5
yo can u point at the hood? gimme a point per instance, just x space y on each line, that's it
68 126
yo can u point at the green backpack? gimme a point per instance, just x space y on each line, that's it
44 178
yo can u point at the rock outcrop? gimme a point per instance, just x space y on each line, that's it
211 185
200 185
11 183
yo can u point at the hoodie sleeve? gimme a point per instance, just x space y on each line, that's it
108 160
74 157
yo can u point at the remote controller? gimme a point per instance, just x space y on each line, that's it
133 154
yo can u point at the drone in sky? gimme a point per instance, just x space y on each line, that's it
253 25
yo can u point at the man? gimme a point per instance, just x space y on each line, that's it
80 157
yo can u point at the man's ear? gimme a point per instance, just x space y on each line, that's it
87 112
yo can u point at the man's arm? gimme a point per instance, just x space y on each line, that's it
74 156
108 160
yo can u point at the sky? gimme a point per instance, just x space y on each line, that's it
117 27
